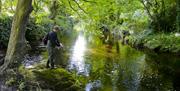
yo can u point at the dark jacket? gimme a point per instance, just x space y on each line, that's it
52 37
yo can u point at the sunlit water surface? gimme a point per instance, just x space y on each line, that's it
77 57
108 70
128 70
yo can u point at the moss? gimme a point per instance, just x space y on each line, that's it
27 74
53 79
56 79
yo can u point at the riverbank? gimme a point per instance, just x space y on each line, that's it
37 77
158 42
33 75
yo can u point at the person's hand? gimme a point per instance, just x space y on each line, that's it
61 45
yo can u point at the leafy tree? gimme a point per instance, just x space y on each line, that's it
17 42
5 27
178 15
161 14
8 6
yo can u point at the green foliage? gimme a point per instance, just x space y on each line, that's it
162 14
178 15
165 22
166 42
11 81
57 79
159 42
36 31
115 15
43 79
5 28
0 5
8 7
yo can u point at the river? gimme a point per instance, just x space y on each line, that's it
128 70
109 70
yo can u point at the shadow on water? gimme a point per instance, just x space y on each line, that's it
129 70
161 72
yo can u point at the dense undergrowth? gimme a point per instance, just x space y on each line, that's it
5 27
159 42
34 31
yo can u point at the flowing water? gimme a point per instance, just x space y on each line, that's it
128 70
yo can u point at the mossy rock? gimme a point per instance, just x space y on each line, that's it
56 79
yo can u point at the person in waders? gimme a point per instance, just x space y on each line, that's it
53 44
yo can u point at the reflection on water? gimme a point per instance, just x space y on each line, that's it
130 70
93 85
77 58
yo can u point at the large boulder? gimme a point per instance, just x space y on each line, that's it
56 79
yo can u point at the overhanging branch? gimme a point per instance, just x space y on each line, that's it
73 8
80 7
149 13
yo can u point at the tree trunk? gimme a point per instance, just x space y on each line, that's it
17 43
178 15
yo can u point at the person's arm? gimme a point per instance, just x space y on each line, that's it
56 40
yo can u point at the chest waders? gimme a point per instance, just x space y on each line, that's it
51 54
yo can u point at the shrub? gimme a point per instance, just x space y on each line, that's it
5 28
34 31
164 42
